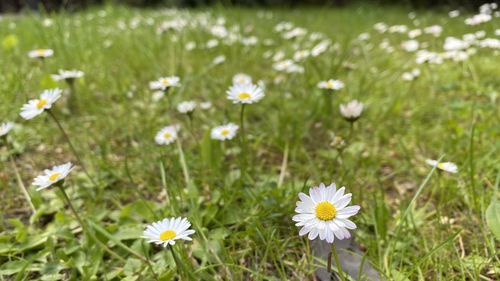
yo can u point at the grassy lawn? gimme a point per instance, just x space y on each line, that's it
415 222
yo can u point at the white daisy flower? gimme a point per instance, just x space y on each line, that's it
219 59
445 166
205 105
5 127
158 95
37 106
41 53
166 231
186 107
331 84
352 110
242 78
224 132
167 135
164 83
245 93
68 75
325 213
51 176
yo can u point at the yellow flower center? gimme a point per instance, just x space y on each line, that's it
40 104
54 176
167 135
325 211
167 235
165 82
329 85
40 52
224 132
244 96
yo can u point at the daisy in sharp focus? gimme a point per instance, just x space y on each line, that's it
352 110
37 106
41 53
245 93
445 166
224 132
5 128
67 75
167 135
167 231
324 213
164 83
331 85
51 176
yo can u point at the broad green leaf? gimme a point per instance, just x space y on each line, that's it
493 217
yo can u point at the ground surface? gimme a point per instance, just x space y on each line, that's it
245 231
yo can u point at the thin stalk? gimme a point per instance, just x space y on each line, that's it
21 185
68 140
284 165
180 265
337 262
182 159
84 226
243 144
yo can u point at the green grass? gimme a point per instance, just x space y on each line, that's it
246 232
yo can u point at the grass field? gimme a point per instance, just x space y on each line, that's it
415 222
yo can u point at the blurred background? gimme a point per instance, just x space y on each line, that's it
13 6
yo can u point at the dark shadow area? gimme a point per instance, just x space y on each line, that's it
72 5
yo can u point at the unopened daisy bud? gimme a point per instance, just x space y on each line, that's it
331 85
41 53
224 132
444 166
5 128
186 107
52 176
167 231
37 106
324 213
351 111
167 135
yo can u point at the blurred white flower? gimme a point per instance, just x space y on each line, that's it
51 176
242 78
410 45
41 53
5 128
219 59
68 75
331 84
445 166
352 110
167 135
186 107
205 105
454 13
37 106
164 83
224 132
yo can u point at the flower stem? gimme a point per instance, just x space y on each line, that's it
337 263
243 144
182 159
180 265
68 140
84 226
21 185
